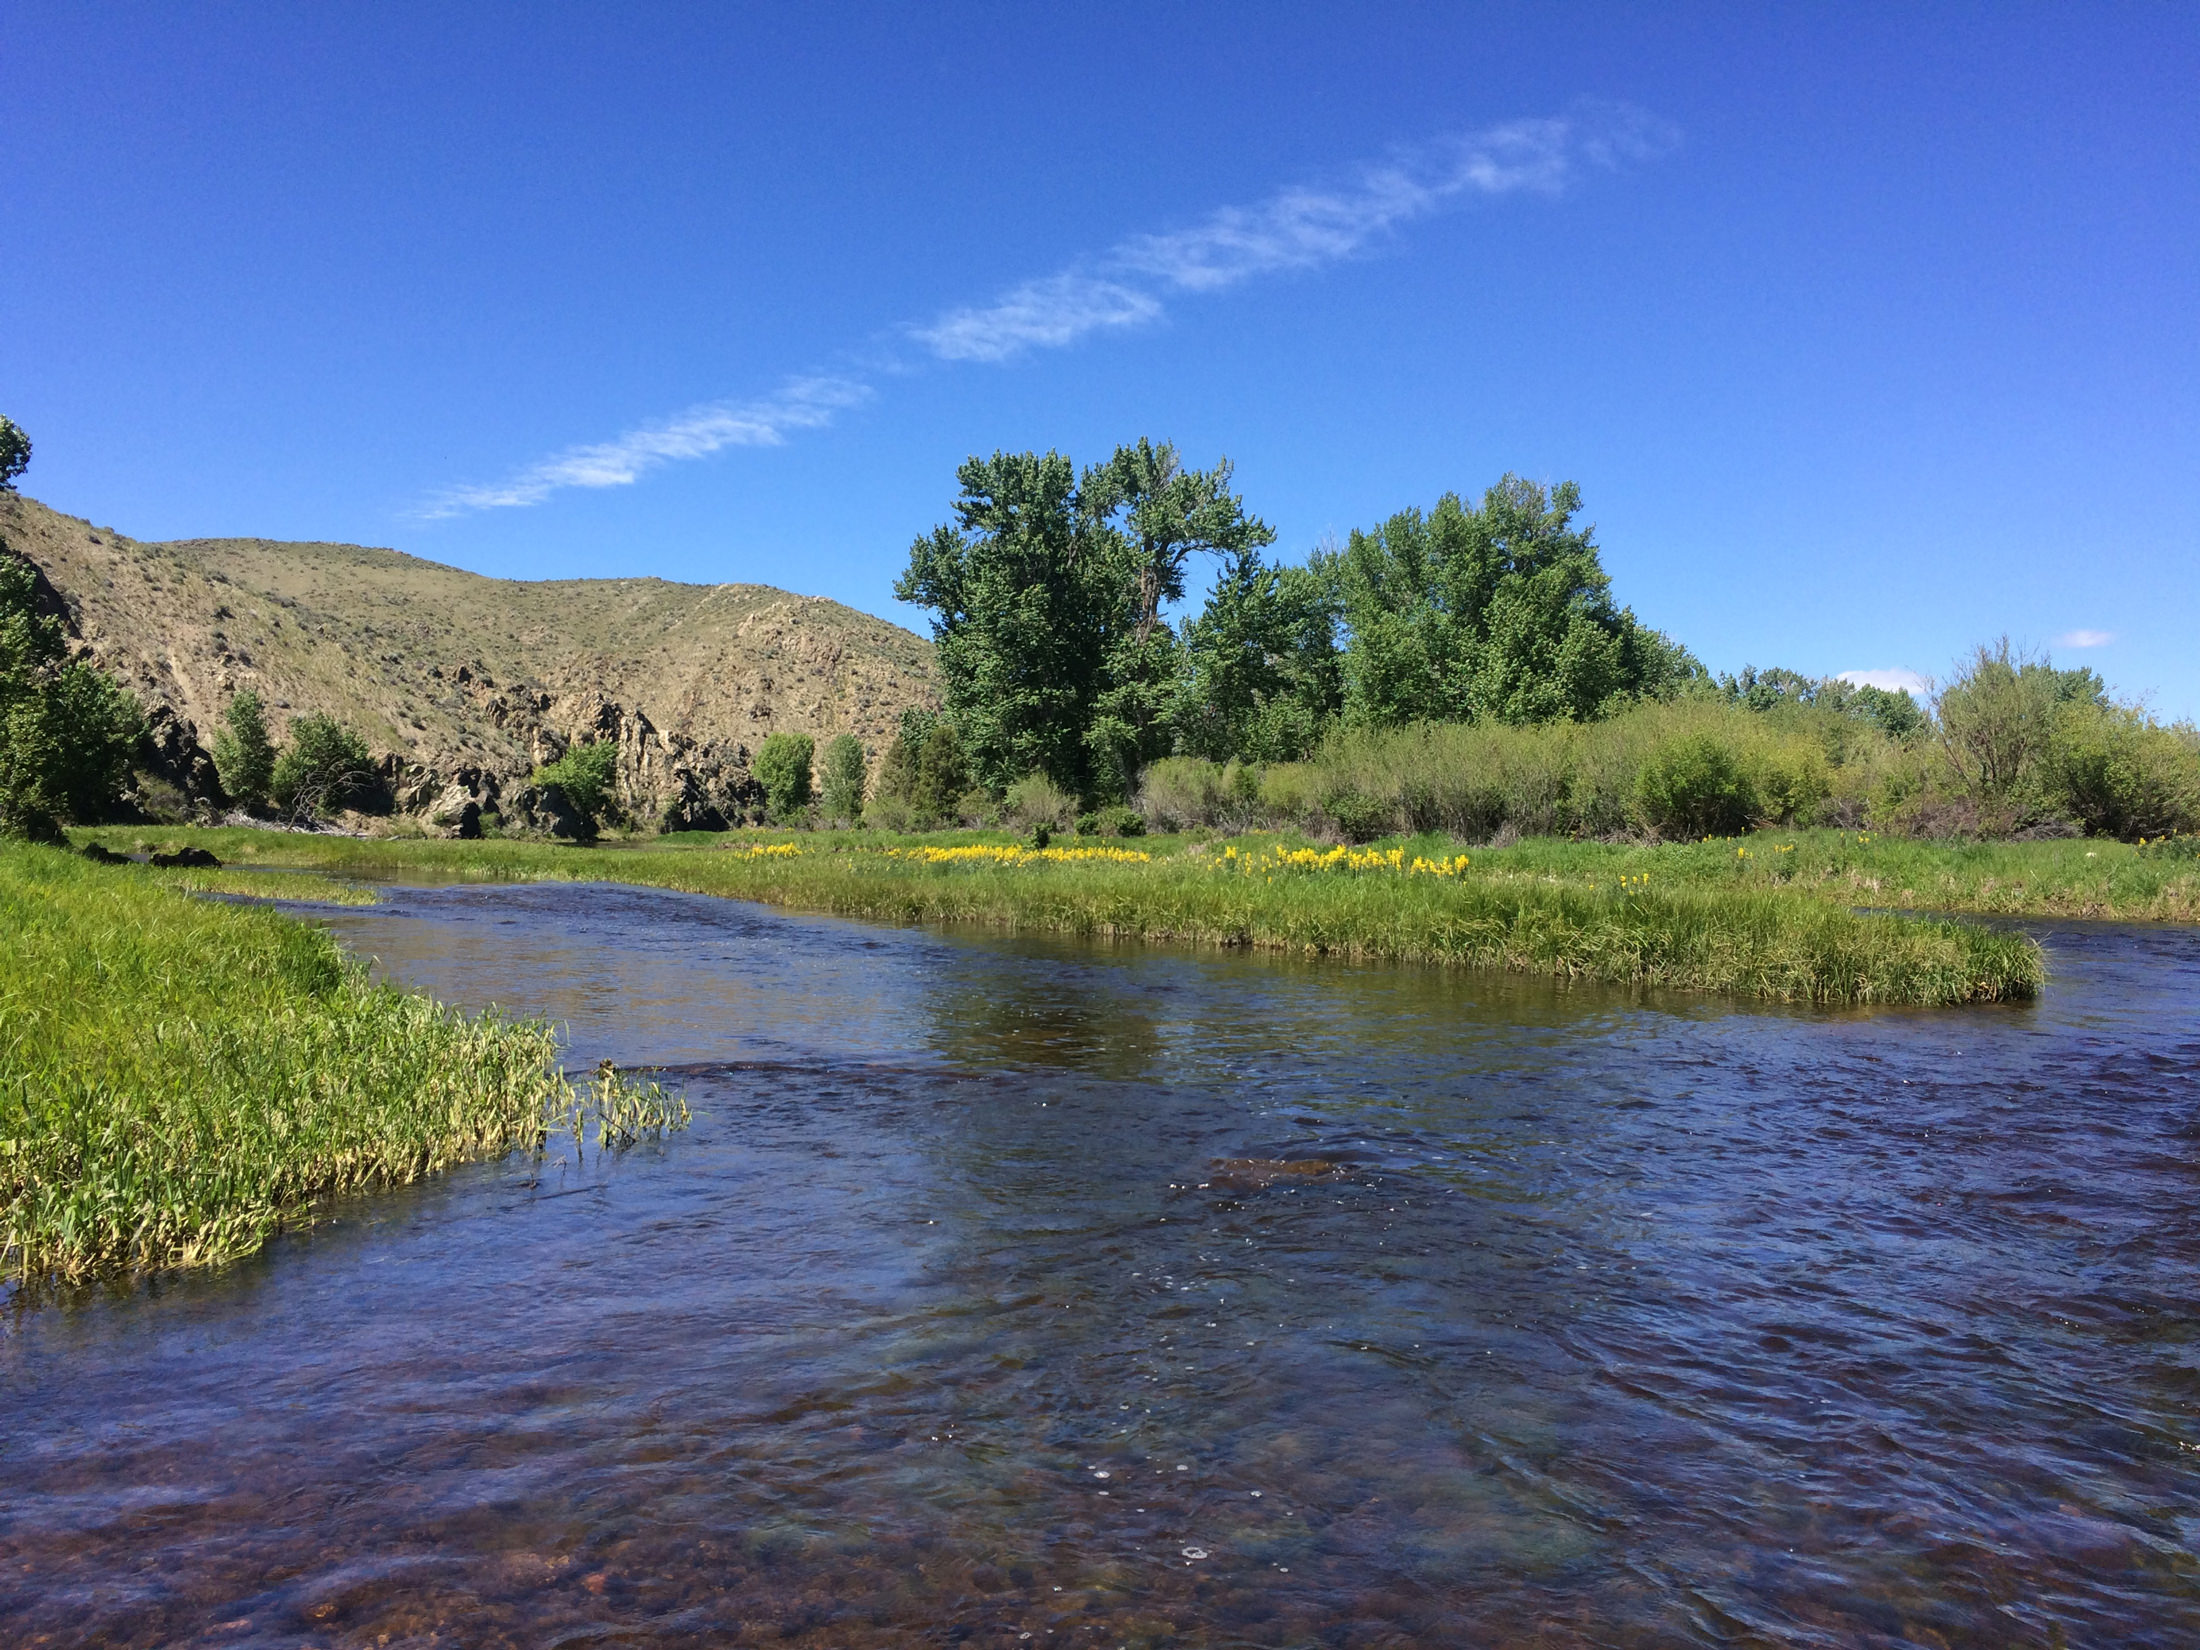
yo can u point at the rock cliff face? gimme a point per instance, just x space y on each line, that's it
464 685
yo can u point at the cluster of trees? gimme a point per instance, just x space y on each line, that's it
1047 592
67 731
2025 745
324 768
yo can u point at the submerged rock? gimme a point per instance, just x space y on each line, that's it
1252 1174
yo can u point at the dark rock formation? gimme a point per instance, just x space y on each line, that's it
196 858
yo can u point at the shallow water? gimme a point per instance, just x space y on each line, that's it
977 1308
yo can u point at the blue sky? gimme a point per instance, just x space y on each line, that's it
1869 333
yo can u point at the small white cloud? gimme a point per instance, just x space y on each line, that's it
2085 638
1049 312
801 404
1893 679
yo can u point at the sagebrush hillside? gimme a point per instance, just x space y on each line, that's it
466 681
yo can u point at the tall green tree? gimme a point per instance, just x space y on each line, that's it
1497 612
67 731
1164 513
1261 676
841 777
244 756
1047 593
15 453
1158 515
1029 595
783 768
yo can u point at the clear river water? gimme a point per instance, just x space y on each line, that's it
1030 1293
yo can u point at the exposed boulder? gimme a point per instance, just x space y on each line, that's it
195 858
546 808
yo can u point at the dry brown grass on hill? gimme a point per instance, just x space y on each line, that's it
462 676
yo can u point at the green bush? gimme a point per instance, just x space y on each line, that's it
1697 786
1181 791
325 768
1036 800
1120 819
841 783
783 769
926 768
244 756
2120 774
588 777
1358 816
2181 847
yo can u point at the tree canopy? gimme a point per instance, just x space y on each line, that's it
783 767
67 731
1260 676
15 453
325 767
1050 592
1499 612
244 756
1047 591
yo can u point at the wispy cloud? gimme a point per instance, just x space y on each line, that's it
1302 227
1894 679
2085 638
800 404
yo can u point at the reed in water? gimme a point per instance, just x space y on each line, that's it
180 1079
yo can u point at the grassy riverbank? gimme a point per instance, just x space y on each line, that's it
1736 918
179 1078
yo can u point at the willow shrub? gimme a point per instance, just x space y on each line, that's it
179 1079
1679 769
2116 772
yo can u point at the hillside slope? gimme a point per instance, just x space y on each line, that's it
466 681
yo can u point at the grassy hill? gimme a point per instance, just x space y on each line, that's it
469 681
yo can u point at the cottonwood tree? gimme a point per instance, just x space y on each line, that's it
1159 514
1498 612
841 777
1030 595
244 755
325 767
1047 592
1260 677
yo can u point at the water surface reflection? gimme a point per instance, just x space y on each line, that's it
1584 1319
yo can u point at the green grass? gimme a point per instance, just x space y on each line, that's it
180 1079
1545 907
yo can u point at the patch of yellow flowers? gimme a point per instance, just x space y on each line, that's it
1339 859
986 853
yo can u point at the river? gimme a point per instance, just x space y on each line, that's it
1037 1293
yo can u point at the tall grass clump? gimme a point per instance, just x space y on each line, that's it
180 1079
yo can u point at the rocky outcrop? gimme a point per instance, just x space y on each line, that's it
171 753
